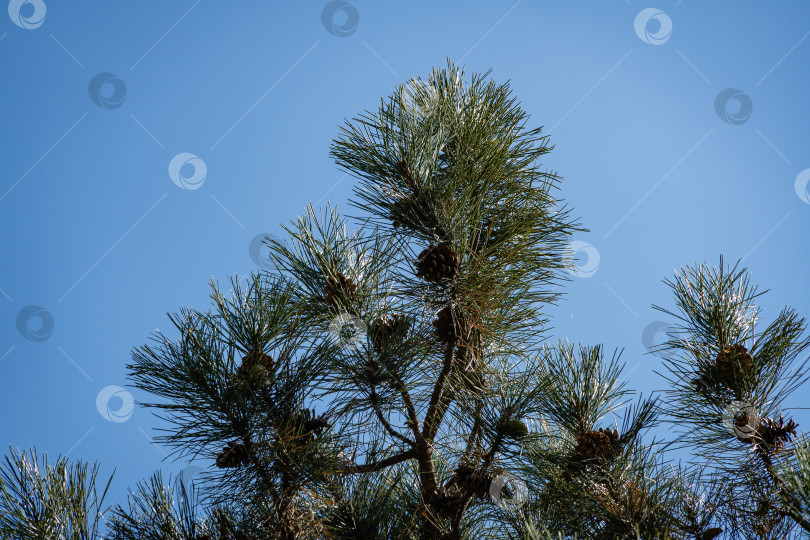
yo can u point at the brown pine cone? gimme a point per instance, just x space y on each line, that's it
773 434
385 327
234 455
596 444
449 324
437 262
252 360
733 365
339 290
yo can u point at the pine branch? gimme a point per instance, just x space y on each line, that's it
382 464
432 417
39 499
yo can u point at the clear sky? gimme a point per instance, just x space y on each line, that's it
100 100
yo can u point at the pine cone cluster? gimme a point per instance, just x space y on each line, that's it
437 262
338 290
449 324
596 444
773 434
234 455
385 327
733 364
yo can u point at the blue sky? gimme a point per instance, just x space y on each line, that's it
99 98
